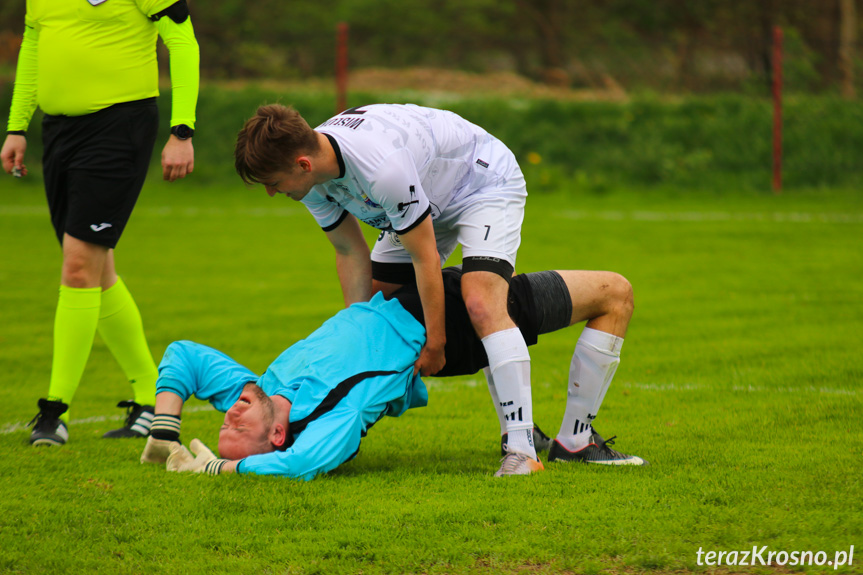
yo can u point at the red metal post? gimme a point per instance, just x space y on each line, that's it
341 67
777 110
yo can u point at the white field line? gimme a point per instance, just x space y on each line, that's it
809 389
443 384
639 216
13 427
779 217
187 211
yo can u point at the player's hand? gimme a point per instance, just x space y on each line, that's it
178 158
12 155
431 361
157 450
203 461
178 457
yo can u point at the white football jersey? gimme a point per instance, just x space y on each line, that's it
398 163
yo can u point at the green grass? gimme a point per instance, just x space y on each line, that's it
740 382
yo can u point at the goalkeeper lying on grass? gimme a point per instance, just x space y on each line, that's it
308 412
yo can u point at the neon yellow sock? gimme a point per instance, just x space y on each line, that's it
74 330
123 332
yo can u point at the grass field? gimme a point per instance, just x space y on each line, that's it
740 381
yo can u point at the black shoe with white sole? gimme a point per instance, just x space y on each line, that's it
139 419
597 451
48 428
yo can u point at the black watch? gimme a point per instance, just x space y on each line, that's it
182 131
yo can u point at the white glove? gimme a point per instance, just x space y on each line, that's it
178 456
204 460
157 450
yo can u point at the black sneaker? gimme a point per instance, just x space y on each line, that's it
139 418
597 451
541 442
48 429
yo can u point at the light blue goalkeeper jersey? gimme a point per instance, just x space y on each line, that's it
349 373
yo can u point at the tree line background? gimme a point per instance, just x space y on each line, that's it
642 92
655 45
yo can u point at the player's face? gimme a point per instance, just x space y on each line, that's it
295 182
247 425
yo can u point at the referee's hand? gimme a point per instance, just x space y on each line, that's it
12 155
178 158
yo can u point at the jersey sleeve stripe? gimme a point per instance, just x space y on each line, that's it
418 221
338 222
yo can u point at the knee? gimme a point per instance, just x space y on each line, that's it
477 307
620 296
485 298
483 312
79 272
83 263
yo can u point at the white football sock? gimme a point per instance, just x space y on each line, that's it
509 363
596 357
501 418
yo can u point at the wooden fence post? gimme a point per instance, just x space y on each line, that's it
341 67
777 110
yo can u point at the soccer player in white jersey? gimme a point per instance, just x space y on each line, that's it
430 180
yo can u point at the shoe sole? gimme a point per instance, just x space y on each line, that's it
553 457
130 435
637 461
47 441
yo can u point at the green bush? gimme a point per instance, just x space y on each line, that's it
697 143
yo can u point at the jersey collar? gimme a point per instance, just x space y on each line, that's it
339 157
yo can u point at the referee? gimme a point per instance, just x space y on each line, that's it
90 65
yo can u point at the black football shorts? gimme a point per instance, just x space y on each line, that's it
95 166
465 353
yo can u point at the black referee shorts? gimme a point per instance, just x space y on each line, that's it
95 166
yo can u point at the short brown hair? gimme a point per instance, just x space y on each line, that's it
270 140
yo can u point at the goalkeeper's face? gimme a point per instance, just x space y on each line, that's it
248 425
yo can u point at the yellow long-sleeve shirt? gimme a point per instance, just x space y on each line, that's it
77 58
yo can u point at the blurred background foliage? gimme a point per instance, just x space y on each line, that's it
589 94
660 45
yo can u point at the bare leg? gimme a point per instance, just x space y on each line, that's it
83 263
605 301
384 287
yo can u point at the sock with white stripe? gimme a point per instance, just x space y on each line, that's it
166 427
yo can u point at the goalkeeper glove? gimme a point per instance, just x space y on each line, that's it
164 432
203 460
